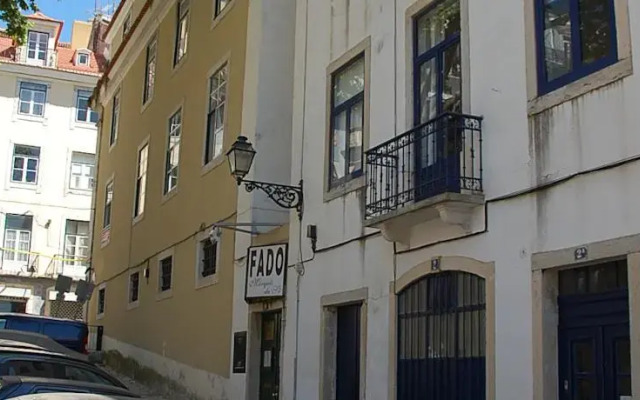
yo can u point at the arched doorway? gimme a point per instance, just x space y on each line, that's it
442 338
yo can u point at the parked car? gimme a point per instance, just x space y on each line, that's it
69 396
38 340
16 386
17 361
69 333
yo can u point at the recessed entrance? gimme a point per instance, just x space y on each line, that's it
593 333
271 327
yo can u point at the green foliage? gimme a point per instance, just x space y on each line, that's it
12 12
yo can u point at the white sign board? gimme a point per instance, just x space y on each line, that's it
266 272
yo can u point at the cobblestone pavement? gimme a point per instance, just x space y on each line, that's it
144 391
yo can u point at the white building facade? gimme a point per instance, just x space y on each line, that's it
471 171
47 159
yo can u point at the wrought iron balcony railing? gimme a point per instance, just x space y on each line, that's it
443 155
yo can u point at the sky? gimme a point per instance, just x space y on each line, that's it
68 11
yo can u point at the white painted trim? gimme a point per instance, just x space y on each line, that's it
179 107
133 304
201 282
161 295
139 217
102 286
217 160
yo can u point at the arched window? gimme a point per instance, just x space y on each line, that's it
441 338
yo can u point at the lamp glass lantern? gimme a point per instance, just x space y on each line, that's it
240 157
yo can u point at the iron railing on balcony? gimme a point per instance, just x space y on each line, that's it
22 55
441 155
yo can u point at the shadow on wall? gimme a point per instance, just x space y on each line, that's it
146 376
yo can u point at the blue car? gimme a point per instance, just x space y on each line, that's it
69 333
14 386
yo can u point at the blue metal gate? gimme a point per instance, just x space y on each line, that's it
441 338
593 333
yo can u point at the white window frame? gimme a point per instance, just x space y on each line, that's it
214 104
182 31
76 247
44 88
16 254
83 93
26 158
161 295
102 288
37 48
175 129
204 281
150 70
115 120
108 202
130 302
83 166
86 54
140 190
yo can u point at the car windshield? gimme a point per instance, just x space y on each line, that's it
3 322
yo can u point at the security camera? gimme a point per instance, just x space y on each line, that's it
215 233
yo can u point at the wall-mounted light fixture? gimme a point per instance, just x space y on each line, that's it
240 157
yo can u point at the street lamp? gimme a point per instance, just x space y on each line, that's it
240 157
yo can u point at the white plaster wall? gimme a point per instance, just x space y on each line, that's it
518 153
57 135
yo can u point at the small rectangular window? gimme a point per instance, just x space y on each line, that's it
208 257
347 120
115 117
106 222
166 266
220 5
83 59
17 237
37 46
26 160
134 287
101 299
173 152
33 97
215 116
141 180
82 170
84 113
76 243
182 31
150 71
575 38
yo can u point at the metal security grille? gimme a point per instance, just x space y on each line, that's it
66 309
441 338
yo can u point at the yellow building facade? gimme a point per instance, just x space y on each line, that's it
171 228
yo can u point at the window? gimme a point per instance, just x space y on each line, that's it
32 99
141 180
347 116
83 58
76 243
37 45
165 273
126 26
173 152
215 116
348 344
83 112
17 237
25 164
108 199
150 71
220 5
115 116
134 287
82 167
575 38
182 31
101 299
208 263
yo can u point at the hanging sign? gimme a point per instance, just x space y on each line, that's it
266 272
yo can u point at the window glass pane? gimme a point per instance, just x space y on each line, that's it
38 109
39 97
18 162
31 176
557 38
438 24
19 222
348 82
339 146
623 356
595 29
452 92
82 115
25 94
355 138
24 108
428 90
32 164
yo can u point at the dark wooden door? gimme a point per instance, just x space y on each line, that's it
270 356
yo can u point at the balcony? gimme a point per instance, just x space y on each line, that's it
48 59
432 172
